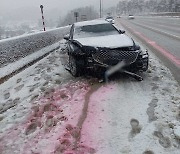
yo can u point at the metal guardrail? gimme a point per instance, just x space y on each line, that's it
13 49
165 14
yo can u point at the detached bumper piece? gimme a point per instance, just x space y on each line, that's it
134 75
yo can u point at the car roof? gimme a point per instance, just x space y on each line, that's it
91 22
109 17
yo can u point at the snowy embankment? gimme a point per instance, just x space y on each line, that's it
19 51
45 110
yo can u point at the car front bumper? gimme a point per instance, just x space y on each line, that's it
134 60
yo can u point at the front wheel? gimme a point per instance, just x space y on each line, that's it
73 65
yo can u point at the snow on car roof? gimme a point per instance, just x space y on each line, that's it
91 22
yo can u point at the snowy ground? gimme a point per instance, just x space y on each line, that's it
45 110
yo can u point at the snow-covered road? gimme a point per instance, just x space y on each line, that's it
45 110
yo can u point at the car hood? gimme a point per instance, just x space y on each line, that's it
108 41
109 19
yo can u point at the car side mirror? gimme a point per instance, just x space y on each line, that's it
121 31
66 37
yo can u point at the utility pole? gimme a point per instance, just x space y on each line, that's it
100 9
76 15
41 7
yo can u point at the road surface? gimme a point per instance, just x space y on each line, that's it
161 35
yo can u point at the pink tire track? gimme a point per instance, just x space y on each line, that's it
96 121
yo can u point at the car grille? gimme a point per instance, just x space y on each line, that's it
112 57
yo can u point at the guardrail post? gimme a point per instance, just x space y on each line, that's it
41 7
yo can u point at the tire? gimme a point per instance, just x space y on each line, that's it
73 66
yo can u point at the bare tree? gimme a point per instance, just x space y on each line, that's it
1 32
84 13
139 6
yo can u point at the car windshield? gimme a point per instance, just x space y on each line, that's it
94 30
109 18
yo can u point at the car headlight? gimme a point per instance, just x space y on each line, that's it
77 50
89 49
144 54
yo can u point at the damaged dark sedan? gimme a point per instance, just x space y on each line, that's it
99 46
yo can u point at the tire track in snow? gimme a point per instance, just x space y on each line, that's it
83 116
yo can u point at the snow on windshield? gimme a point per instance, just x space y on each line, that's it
94 30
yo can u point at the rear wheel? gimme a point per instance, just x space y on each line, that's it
73 65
